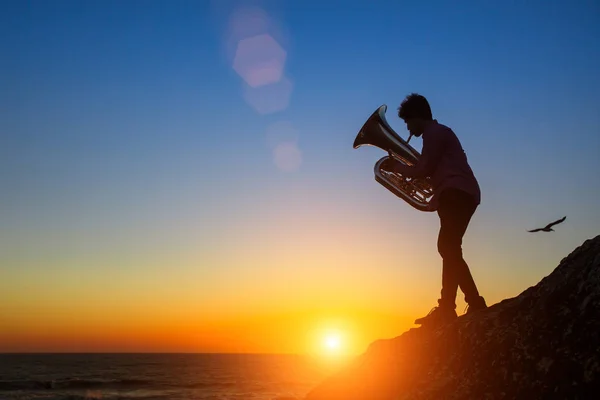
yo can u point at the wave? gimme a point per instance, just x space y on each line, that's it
75 383
72 383
92 396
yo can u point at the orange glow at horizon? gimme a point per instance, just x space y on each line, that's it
293 275
323 335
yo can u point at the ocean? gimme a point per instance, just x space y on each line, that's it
157 376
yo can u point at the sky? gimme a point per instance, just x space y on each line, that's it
179 176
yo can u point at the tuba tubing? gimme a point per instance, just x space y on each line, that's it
378 133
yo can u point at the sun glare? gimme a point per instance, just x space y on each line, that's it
332 342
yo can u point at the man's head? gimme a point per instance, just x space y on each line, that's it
415 111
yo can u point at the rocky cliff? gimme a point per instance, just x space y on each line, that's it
542 344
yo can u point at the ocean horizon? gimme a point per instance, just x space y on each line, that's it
153 376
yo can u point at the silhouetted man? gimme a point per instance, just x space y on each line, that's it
456 195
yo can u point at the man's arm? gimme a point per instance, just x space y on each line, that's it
433 148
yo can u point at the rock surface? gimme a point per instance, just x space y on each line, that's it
542 344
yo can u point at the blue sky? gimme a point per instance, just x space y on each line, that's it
126 135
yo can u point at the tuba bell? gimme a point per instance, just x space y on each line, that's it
377 132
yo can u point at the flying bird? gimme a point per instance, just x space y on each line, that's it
548 228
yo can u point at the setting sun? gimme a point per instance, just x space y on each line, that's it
332 342
334 345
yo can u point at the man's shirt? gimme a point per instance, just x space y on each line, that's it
445 162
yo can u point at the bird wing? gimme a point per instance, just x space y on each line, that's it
558 221
535 230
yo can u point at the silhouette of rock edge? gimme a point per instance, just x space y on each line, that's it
541 344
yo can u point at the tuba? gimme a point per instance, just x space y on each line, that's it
377 132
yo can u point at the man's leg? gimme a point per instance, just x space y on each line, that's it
447 238
455 212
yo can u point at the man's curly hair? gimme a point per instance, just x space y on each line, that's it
415 106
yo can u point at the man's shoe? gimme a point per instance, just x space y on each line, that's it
476 305
437 316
